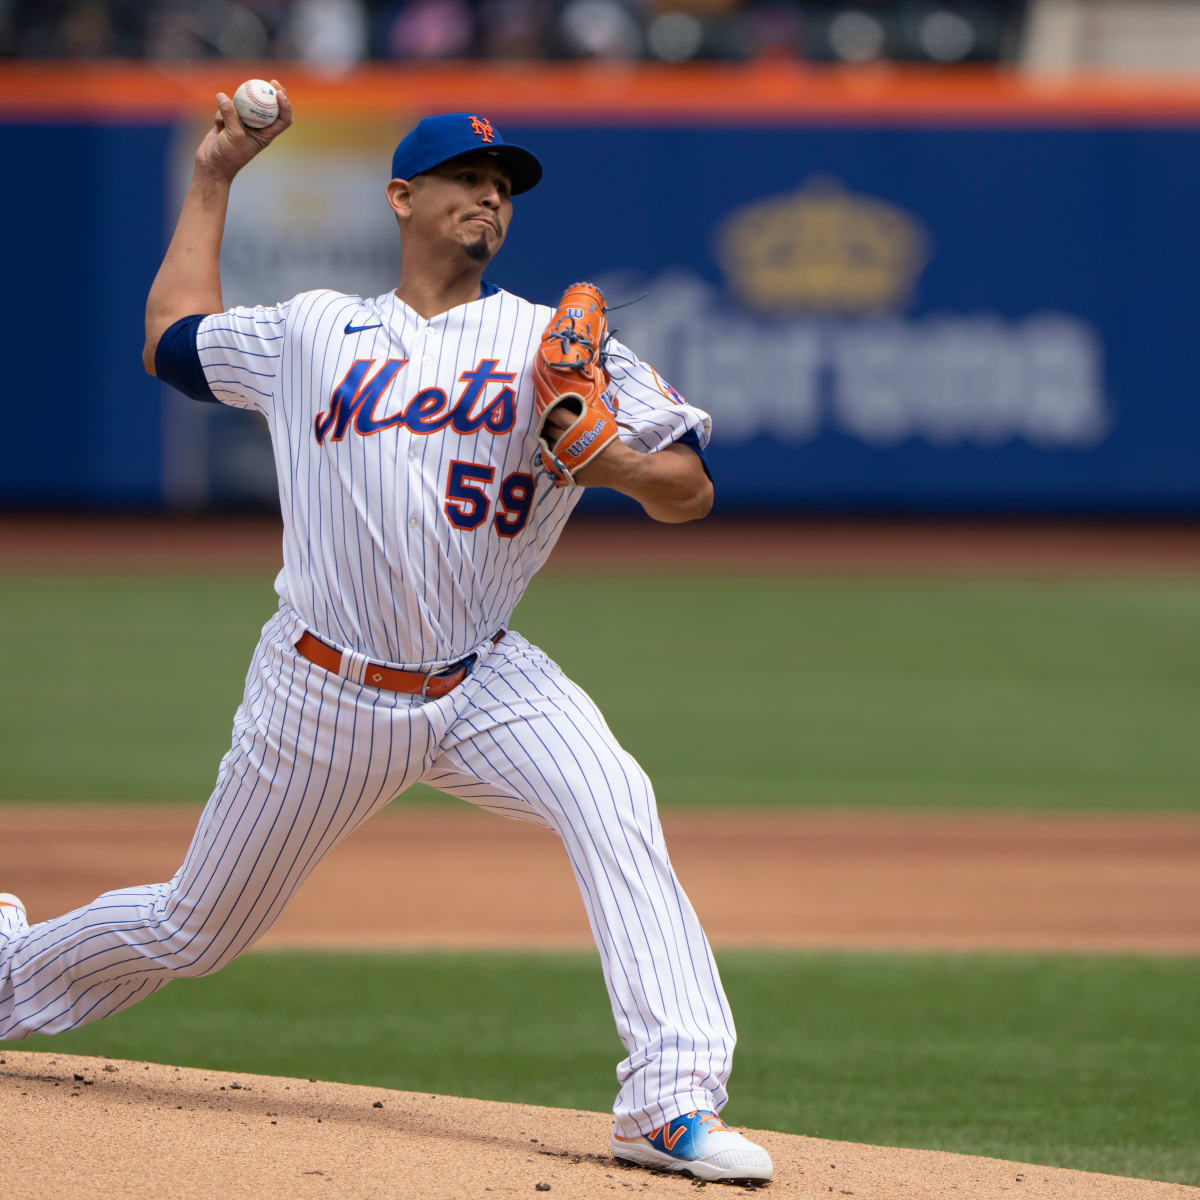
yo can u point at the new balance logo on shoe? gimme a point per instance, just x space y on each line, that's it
699 1144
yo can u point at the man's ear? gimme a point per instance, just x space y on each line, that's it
399 196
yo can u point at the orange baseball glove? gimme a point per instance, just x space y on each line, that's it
570 384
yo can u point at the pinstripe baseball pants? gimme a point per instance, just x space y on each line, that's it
313 755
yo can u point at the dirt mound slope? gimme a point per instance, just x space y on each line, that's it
79 1127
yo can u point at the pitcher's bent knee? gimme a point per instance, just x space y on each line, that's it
190 940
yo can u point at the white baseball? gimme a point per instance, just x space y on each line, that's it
256 103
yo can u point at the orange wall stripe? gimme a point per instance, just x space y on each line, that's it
562 93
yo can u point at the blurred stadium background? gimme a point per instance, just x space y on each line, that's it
930 264
914 256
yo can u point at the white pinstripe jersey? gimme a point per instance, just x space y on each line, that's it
415 508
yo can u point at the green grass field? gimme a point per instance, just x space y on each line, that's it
1092 1063
773 691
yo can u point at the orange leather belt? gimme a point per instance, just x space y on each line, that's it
433 685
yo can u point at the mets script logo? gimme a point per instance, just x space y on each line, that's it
483 127
823 249
354 401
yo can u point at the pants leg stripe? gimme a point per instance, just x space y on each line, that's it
600 727
219 938
611 964
703 959
646 940
526 726
566 790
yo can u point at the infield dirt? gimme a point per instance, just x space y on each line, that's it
458 877
78 1128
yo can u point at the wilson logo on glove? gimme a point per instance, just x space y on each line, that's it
578 446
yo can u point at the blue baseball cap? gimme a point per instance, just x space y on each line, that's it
435 140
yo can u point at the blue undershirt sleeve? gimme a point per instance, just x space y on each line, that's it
692 442
177 362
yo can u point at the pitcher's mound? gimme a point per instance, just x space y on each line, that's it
91 1127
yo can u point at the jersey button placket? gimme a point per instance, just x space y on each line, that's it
426 380
421 381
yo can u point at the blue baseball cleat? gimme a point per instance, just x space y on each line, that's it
699 1144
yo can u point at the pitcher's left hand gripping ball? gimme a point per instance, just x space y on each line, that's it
569 384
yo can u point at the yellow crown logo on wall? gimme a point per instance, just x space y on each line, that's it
824 249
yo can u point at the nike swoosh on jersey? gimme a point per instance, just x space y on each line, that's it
351 328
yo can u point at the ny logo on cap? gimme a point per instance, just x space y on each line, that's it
483 127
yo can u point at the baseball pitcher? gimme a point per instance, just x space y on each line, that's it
430 444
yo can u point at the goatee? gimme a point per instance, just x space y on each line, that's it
478 250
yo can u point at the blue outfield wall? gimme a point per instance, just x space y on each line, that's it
984 319
84 215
